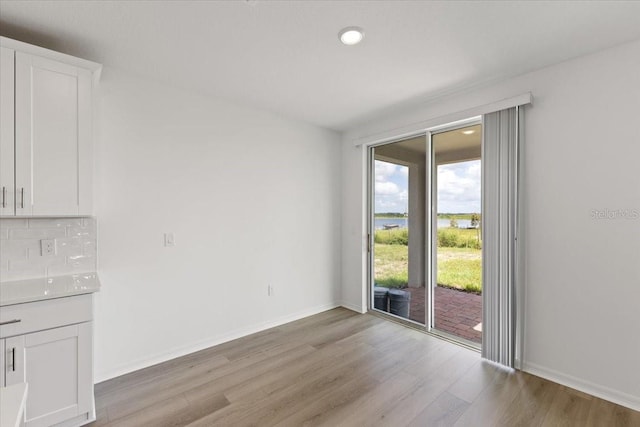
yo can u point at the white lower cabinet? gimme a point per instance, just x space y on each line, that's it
57 364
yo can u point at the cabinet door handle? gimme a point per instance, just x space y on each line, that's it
8 322
22 198
13 359
4 197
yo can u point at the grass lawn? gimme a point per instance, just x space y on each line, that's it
391 265
459 268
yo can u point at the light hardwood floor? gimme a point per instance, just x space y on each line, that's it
340 368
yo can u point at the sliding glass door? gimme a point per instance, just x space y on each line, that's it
425 231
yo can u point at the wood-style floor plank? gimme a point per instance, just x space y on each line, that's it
444 411
570 407
493 401
473 382
532 402
340 368
431 385
372 404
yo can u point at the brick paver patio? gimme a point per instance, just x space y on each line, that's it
456 312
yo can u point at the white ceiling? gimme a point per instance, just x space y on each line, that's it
285 56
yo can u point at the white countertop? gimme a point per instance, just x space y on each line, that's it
21 291
12 401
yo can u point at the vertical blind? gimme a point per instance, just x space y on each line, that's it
502 286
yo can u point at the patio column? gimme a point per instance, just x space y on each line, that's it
417 203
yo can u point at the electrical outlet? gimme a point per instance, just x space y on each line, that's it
169 239
47 247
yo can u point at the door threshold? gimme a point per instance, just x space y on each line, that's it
408 323
404 321
471 345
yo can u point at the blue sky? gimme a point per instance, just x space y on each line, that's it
458 187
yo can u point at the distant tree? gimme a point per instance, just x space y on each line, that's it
453 223
475 220
390 214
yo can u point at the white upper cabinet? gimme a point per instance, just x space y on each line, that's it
52 135
7 183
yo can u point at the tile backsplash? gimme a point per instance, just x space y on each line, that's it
20 238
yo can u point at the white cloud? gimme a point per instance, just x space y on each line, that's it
390 187
474 171
459 187
385 170
386 188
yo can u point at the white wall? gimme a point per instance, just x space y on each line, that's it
581 154
253 199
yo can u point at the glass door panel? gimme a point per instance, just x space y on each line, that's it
398 181
457 247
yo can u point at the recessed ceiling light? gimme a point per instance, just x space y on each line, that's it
468 132
351 35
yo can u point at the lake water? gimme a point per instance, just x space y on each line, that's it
403 222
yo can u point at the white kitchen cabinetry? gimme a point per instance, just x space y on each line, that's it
7 108
56 363
47 96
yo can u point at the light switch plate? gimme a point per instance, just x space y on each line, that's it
169 239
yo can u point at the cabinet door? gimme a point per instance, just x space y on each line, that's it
52 136
13 361
3 365
57 365
7 186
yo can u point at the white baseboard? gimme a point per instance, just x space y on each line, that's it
615 396
209 342
353 307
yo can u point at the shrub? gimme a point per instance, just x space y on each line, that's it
397 281
396 236
457 238
447 238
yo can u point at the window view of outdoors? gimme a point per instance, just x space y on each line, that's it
392 292
457 296
400 267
